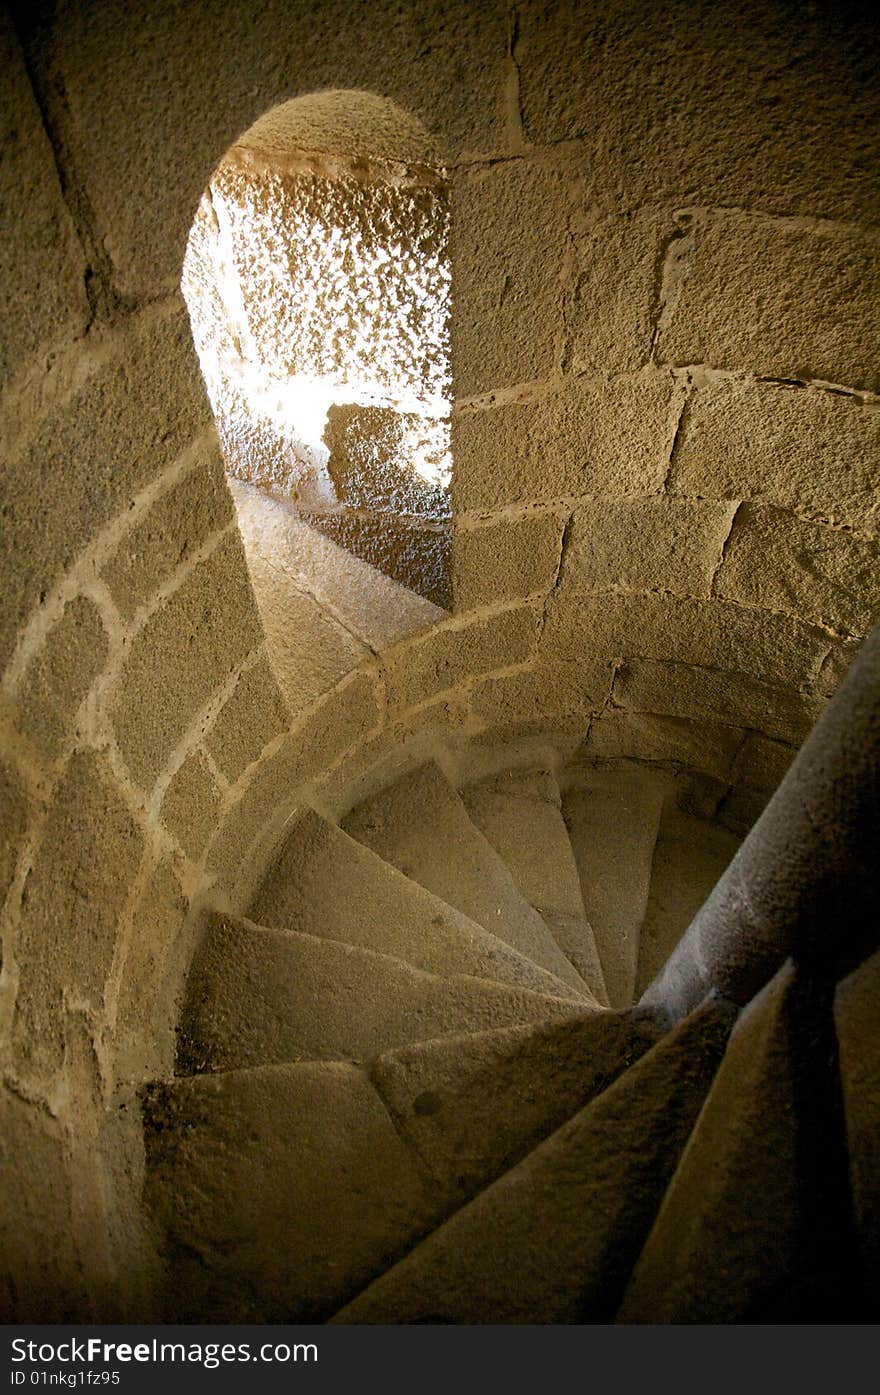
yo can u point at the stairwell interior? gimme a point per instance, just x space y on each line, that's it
393 667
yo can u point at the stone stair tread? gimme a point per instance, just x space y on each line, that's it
327 884
689 857
257 995
856 1014
420 825
553 1239
613 817
519 812
280 1188
471 1106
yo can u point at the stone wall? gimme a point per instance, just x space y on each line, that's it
665 277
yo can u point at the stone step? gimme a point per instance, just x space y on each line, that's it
725 1246
689 857
327 884
420 825
472 1106
257 995
282 1189
554 1239
613 817
856 1015
519 812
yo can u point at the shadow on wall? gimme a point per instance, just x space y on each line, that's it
318 286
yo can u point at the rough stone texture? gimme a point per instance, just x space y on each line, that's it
39 1268
775 648
369 460
679 690
182 518
306 1152
689 856
521 817
60 675
191 645
758 771
555 696
42 269
780 563
816 453
554 1238
505 560
610 318
700 745
726 1235
472 1106
703 102
588 436
413 553
71 903
855 1013
192 804
508 229
146 1006
612 819
92 451
450 654
326 884
421 826
645 544
350 1003
803 309
253 715
13 822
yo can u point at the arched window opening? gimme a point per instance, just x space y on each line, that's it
318 285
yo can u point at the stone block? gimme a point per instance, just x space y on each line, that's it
777 297
508 235
42 267
181 519
192 804
761 764
706 746
680 690
588 437
449 654
777 648
151 978
59 676
816 453
13 822
183 653
611 311
701 104
645 544
252 716
782 563
413 553
372 450
71 903
835 666
141 402
505 560
560 696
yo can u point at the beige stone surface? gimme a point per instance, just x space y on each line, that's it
590 436
505 560
13 822
558 696
446 656
42 268
782 563
182 518
777 297
91 453
682 690
816 453
146 1009
645 544
612 309
700 745
717 634
253 715
60 675
508 230
183 653
72 900
191 806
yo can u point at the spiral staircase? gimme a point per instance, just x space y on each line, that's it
414 1083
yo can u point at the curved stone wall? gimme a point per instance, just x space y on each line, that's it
665 275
